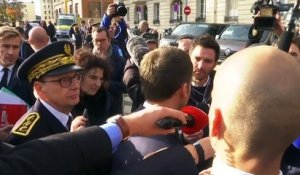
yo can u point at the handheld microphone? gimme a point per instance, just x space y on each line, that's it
196 121
285 41
85 113
287 37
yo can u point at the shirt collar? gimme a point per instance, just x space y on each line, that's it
62 117
219 168
9 67
207 81
147 104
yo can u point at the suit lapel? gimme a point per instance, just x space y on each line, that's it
13 81
53 123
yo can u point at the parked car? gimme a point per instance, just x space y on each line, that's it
236 37
195 29
34 23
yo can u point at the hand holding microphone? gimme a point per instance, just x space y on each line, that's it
196 121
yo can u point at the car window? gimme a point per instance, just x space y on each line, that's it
33 24
236 32
191 29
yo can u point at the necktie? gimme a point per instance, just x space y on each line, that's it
69 123
4 79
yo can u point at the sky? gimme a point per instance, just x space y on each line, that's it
37 7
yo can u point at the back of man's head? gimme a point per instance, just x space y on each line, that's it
38 38
256 93
143 23
163 71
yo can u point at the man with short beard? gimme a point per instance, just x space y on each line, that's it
204 54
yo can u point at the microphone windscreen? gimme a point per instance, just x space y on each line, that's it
200 119
137 48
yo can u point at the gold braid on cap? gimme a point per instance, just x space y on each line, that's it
51 63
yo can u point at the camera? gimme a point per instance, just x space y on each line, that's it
120 9
267 10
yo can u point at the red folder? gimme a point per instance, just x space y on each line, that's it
11 113
11 107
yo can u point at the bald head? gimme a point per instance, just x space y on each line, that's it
257 93
143 26
38 38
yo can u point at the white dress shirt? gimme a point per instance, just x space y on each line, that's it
10 68
62 117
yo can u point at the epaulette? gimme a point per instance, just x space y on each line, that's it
27 124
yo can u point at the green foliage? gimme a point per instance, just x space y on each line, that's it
11 12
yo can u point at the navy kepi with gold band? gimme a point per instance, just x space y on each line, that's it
54 59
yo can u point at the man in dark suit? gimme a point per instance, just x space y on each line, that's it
87 151
9 61
25 49
51 30
56 82
27 28
158 89
10 41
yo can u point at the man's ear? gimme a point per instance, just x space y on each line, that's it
185 90
30 41
216 123
38 89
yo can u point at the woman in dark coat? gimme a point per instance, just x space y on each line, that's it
95 101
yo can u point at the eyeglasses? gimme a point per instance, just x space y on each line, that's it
66 81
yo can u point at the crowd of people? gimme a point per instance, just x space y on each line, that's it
75 93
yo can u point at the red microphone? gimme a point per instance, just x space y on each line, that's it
196 121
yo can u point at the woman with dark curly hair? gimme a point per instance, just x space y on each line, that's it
95 101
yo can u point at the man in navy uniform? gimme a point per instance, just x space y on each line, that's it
56 82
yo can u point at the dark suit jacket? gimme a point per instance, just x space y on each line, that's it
46 125
87 151
133 150
21 87
74 154
4 147
173 161
290 163
25 50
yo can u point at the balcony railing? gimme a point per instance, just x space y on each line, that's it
176 20
200 19
231 19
